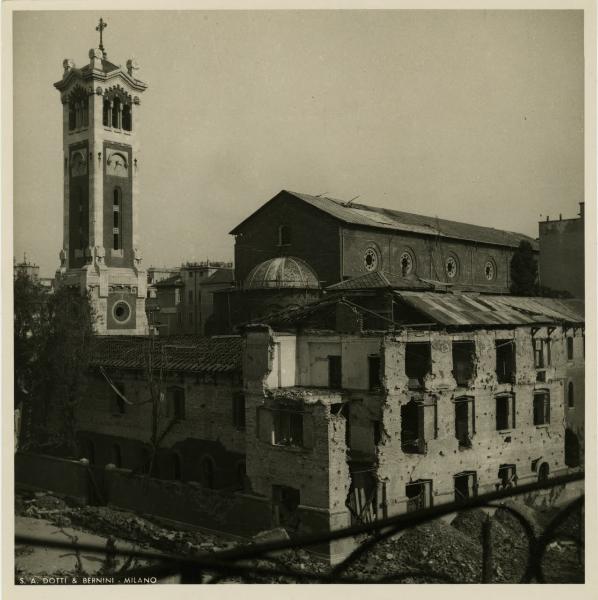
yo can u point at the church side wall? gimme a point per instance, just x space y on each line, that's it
430 254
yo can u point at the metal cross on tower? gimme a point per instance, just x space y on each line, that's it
101 26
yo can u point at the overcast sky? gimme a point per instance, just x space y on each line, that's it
474 116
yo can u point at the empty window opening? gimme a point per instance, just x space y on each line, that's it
542 353
466 485
285 506
116 456
239 411
284 235
418 425
418 361
570 395
464 421
507 476
505 412
119 406
569 348
543 472
377 431
541 407
190 296
463 362
505 361
335 373
374 372
419 495
288 428
207 472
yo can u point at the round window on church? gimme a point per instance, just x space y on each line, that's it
121 311
490 270
451 267
370 259
407 263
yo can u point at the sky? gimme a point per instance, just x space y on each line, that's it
474 116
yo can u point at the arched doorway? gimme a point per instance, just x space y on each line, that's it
543 472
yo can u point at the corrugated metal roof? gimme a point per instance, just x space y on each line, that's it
478 310
176 353
371 216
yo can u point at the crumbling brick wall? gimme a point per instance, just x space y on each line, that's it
490 448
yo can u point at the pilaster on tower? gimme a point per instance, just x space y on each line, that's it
101 106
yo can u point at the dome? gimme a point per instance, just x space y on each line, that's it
282 272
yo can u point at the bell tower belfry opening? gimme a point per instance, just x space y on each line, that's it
100 251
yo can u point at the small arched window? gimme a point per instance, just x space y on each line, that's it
106 118
72 116
570 395
127 122
284 235
116 113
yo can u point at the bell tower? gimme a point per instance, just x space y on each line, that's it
100 253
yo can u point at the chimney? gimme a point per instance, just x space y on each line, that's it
581 210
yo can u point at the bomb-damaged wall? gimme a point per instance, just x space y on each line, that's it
317 467
490 448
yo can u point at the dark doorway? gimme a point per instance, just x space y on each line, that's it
543 472
572 454
285 504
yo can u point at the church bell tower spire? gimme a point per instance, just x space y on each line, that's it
100 253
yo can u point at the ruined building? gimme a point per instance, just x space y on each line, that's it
464 394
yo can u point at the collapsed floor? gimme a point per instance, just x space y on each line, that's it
433 552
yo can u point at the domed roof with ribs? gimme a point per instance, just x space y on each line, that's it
282 272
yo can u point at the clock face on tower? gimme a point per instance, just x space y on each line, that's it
116 165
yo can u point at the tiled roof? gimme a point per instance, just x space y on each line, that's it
478 310
380 280
189 353
384 218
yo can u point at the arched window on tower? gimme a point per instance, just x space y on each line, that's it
116 225
570 395
72 116
116 116
127 121
106 114
84 112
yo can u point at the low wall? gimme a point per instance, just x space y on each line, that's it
60 475
233 512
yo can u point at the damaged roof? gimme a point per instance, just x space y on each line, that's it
189 353
477 310
385 218
380 280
